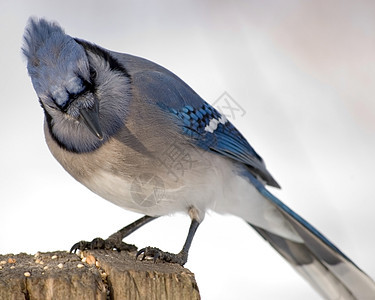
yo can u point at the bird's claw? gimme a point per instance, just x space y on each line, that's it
99 243
158 254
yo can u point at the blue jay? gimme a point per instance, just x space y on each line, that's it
137 135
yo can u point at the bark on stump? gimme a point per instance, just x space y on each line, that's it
97 274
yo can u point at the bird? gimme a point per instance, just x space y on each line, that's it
137 135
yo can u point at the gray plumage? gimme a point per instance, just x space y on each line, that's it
111 118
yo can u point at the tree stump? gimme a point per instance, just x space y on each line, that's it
95 274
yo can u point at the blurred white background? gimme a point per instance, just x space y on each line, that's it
304 72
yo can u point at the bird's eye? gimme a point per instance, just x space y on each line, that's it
71 98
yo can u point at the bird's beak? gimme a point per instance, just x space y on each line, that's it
91 118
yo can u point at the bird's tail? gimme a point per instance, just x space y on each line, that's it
320 262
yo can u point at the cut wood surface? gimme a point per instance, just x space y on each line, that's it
95 274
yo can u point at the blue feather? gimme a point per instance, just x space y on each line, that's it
260 187
225 139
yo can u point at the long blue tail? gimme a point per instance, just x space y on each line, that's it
320 262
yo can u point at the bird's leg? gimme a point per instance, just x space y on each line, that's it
114 241
181 257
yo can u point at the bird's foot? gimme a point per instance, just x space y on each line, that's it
155 253
99 243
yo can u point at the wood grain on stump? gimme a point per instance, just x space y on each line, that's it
96 274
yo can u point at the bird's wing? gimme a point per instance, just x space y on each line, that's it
207 128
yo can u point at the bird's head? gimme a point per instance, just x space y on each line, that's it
84 97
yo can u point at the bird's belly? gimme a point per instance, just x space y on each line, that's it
150 193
